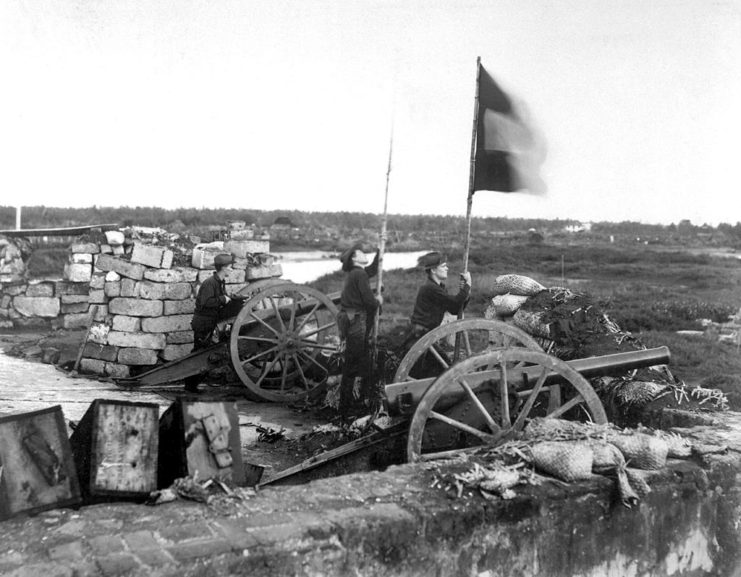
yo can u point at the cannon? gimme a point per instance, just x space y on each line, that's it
488 396
489 378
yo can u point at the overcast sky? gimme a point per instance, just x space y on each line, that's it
289 104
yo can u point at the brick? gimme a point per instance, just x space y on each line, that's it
241 248
258 272
101 312
118 250
128 269
74 308
78 272
135 356
94 366
114 237
70 288
135 307
204 254
76 321
18 289
137 340
98 281
98 351
118 564
180 274
81 258
185 532
106 249
112 289
148 255
112 276
81 247
234 276
37 306
104 544
5 301
159 291
117 371
234 532
204 274
154 557
126 324
44 570
180 307
173 352
166 324
243 234
138 540
129 288
98 297
167 258
43 289
180 337
194 550
78 298
71 550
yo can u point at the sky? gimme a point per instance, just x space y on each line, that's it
293 104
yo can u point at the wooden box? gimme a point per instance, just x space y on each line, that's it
115 447
200 438
36 467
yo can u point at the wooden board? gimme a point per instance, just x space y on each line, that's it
36 467
115 447
200 438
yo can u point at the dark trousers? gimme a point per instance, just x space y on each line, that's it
353 329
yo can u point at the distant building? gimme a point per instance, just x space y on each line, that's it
581 227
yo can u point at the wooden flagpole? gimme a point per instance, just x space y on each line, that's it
472 171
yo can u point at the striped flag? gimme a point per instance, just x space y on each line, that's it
508 151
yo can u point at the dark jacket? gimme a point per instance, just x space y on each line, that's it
357 294
211 297
433 301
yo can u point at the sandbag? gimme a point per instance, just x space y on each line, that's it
508 304
516 284
641 451
563 459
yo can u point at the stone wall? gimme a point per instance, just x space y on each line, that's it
137 295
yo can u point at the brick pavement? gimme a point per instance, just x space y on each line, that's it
390 523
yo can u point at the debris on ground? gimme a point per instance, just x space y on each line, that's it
213 491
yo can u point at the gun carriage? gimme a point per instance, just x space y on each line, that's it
469 382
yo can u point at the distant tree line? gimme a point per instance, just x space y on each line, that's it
337 227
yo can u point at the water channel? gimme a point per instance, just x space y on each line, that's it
307 266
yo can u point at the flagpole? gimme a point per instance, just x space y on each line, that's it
471 172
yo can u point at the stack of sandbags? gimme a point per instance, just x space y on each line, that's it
510 293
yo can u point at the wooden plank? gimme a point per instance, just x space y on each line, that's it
338 452
115 447
59 231
36 467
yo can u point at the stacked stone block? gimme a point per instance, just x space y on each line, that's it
150 304
140 306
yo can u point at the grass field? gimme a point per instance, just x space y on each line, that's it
649 291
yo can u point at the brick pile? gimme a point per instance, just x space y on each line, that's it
130 291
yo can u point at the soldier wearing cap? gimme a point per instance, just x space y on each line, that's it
433 300
212 305
358 304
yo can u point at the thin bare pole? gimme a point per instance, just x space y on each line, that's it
382 243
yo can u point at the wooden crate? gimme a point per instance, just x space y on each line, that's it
115 447
36 467
200 437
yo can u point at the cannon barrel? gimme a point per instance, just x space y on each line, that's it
403 397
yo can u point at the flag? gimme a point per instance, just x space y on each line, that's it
508 151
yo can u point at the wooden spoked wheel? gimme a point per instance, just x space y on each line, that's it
281 340
437 351
486 399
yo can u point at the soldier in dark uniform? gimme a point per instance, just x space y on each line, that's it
213 304
433 301
358 305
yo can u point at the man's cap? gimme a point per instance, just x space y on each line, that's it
223 259
430 260
347 254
